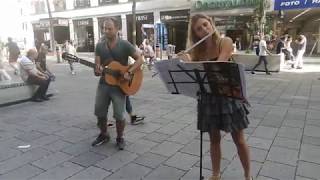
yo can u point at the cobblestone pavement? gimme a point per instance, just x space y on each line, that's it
284 133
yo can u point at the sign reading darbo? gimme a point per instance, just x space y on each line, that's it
296 4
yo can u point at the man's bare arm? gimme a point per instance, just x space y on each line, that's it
138 61
97 69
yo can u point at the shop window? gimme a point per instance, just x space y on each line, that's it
105 2
81 3
59 5
39 6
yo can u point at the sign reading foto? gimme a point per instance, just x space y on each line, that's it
296 4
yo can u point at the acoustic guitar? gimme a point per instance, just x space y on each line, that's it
114 74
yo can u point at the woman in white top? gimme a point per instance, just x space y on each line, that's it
287 45
3 73
71 50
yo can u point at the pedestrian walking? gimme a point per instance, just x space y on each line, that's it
58 52
134 119
280 49
262 55
14 53
288 51
4 76
302 45
149 54
69 48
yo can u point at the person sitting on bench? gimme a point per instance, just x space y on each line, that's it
31 75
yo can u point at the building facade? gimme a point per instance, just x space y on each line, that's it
235 18
81 21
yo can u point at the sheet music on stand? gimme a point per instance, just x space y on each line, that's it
221 78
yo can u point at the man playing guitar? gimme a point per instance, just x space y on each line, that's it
112 49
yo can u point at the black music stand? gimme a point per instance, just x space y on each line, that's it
204 78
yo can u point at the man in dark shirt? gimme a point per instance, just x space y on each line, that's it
14 53
280 45
112 49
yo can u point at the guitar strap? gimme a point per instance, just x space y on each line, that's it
108 61
111 52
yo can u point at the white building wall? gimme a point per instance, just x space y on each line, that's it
117 9
123 8
71 30
95 30
94 3
124 27
69 4
156 16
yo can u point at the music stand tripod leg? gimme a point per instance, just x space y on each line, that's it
201 134
200 93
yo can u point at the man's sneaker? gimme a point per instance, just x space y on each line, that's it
268 73
137 119
252 72
100 140
120 143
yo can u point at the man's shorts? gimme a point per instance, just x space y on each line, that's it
104 96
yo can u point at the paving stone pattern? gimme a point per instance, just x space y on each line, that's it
284 134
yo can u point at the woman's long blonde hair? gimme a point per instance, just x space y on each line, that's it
195 53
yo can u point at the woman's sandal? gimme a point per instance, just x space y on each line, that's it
250 178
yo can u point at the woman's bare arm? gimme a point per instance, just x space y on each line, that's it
226 49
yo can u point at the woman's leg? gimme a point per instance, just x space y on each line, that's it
215 151
299 59
255 66
243 151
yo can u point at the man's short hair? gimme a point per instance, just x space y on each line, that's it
31 51
114 20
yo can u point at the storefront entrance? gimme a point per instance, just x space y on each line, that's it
60 30
144 28
176 23
84 37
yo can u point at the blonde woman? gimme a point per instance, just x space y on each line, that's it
219 113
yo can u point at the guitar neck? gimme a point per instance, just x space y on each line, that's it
93 65
87 63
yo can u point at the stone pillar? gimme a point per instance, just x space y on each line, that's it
124 27
29 36
69 5
94 3
71 30
157 19
95 30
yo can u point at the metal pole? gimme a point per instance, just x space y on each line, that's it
134 23
52 41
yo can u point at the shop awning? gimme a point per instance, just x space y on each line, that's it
295 4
